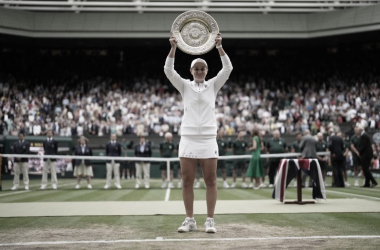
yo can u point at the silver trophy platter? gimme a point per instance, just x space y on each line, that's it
195 32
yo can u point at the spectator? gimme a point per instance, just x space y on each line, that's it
336 148
366 154
222 148
50 148
142 149
167 148
347 156
354 145
83 167
308 147
239 147
36 129
255 169
275 145
113 148
21 164
322 159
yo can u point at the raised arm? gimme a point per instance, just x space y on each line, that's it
225 72
218 43
170 73
173 43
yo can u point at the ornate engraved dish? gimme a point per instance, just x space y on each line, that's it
195 32
376 137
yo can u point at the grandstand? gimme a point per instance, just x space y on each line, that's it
73 66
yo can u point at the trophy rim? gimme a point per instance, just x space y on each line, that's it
211 25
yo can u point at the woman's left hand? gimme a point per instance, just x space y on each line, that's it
218 39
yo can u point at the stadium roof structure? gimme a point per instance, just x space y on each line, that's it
143 19
156 6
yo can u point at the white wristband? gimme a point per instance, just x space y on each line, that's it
218 47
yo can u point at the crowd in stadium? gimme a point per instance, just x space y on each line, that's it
76 96
106 109
270 100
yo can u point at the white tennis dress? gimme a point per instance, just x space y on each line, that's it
198 127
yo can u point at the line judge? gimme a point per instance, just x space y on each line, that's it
50 148
21 147
113 148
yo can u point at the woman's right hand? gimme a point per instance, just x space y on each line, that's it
173 40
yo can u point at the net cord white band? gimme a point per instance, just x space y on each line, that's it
151 159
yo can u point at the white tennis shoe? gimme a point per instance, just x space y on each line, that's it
225 185
77 186
210 225
188 225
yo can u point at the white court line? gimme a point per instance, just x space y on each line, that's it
16 192
19 192
167 196
357 195
30 186
160 239
366 189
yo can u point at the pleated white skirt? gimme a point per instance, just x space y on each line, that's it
198 147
